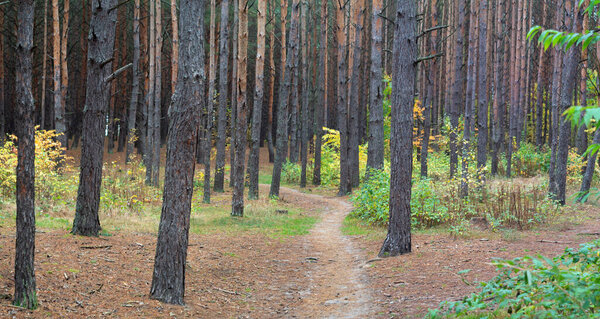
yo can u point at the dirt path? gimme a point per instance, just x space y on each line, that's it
338 285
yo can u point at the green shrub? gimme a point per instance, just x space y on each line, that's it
567 286
529 161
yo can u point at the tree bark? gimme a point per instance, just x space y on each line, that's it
499 106
233 115
457 85
168 279
586 181
237 205
375 151
354 99
398 240
175 43
284 89
212 79
222 118
59 107
156 117
25 287
135 88
272 72
482 93
305 96
149 109
345 186
253 159
322 102
101 46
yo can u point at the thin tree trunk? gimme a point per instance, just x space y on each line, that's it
322 102
457 85
25 287
586 181
212 79
59 107
354 98
149 109
499 107
237 205
253 159
44 67
222 118
157 97
398 240
345 186
375 151
284 89
135 89
305 95
482 91
101 46
233 115
168 279
272 72
175 44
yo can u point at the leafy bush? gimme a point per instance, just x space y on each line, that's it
291 172
528 161
567 286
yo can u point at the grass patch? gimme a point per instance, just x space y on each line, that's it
353 226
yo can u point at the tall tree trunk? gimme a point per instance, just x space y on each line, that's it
222 118
322 101
25 288
149 109
101 46
569 81
284 89
212 79
175 44
233 115
44 67
135 89
305 96
168 278
457 85
398 240
157 97
354 98
482 92
237 205
376 132
272 72
59 107
557 75
342 101
253 159
499 107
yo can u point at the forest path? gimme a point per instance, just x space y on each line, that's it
338 286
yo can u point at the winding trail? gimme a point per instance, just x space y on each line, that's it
338 285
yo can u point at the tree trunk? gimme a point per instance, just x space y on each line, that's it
59 107
284 89
482 91
457 85
305 95
175 43
569 81
376 133
101 46
212 79
44 67
135 89
149 109
25 288
272 72
499 107
222 118
237 205
253 159
156 117
398 240
322 102
233 115
586 181
354 98
168 279
342 101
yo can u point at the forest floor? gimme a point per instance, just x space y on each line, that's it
323 274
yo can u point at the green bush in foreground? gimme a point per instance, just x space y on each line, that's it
567 286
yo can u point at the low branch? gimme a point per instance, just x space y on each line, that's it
117 72
439 27
429 57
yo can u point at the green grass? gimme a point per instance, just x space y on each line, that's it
355 227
